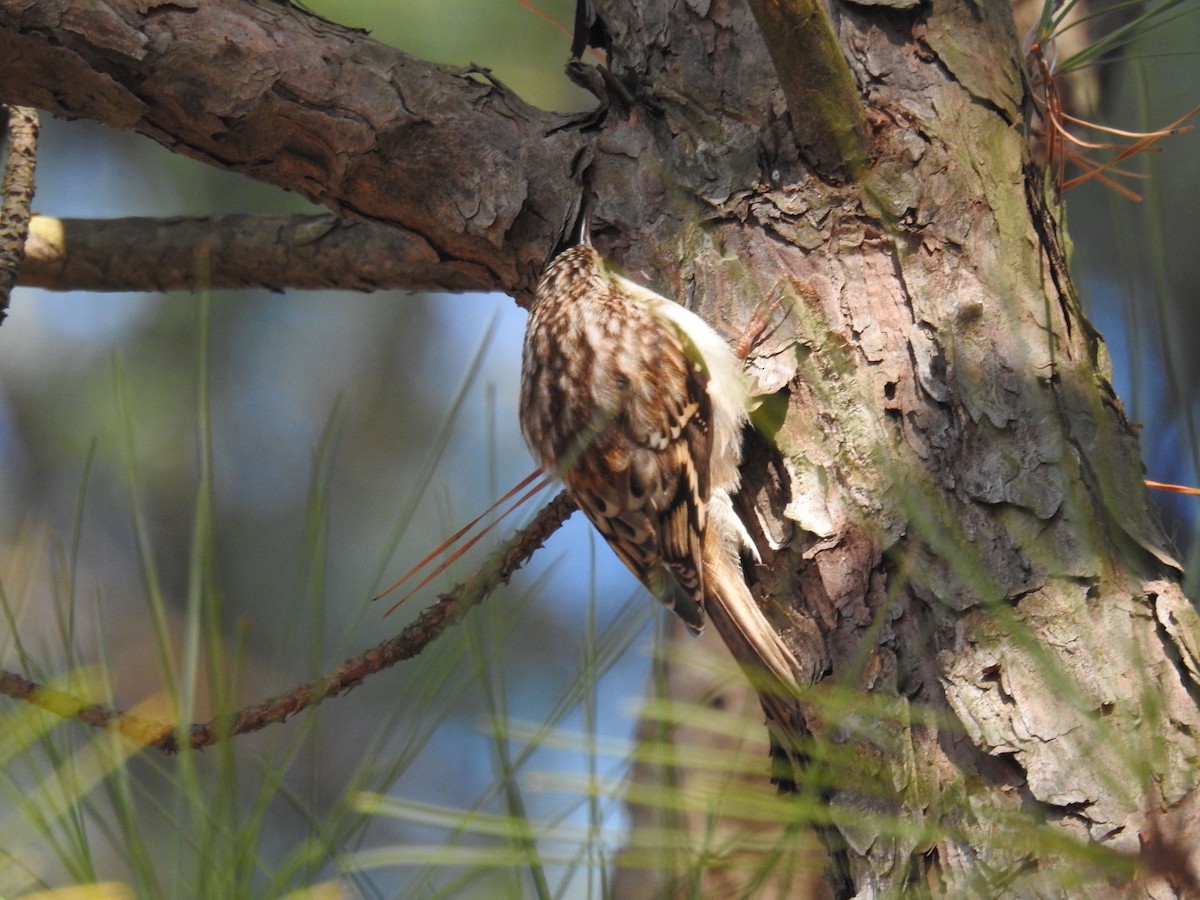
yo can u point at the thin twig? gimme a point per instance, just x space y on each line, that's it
16 195
448 610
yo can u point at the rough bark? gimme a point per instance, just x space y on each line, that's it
238 251
951 504
16 195
973 544
476 179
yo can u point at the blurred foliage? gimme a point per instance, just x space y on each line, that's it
1136 267
524 42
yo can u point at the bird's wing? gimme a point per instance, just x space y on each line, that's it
644 481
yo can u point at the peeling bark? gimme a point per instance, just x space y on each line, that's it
973 544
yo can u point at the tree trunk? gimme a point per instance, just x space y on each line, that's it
950 499
965 534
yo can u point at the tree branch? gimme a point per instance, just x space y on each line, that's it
281 96
449 609
828 117
239 251
17 195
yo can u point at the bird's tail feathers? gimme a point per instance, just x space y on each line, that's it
768 662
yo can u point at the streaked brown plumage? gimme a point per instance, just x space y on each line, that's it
638 405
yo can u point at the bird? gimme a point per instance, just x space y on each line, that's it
639 406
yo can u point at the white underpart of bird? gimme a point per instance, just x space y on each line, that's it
639 406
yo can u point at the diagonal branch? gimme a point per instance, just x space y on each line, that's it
449 609
828 116
279 95
239 251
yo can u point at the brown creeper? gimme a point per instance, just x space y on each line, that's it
638 405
